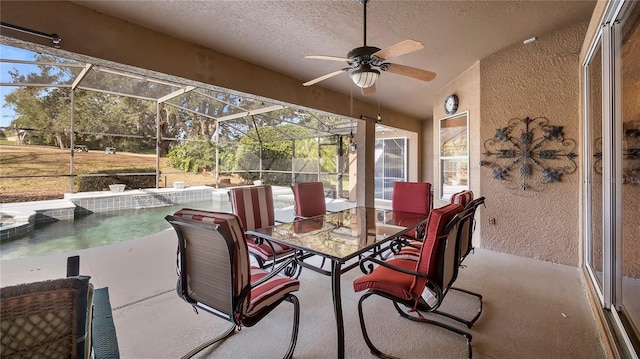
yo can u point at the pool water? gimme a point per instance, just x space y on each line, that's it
99 229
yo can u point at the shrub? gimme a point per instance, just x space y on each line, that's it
90 184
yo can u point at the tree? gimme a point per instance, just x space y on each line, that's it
274 144
193 156
101 119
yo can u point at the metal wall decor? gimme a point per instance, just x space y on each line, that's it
529 153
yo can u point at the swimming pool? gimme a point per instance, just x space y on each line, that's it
100 229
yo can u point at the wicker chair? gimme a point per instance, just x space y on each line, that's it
57 319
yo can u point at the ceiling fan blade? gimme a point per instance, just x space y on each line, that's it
401 48
324 77
409 71
369 90
332 58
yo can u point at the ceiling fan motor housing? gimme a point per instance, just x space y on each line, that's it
362 56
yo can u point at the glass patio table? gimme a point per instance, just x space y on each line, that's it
340 237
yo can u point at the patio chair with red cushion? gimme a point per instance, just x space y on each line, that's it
254 207
412 250
309 202
420 285
309 199
467 246
214 274
412 197
464 197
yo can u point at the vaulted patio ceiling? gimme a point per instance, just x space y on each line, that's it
278 34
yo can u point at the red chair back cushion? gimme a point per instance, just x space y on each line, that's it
309 198
428 263
254 206
411 197
462 197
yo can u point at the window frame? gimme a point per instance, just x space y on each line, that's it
441 158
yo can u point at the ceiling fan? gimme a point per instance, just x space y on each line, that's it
364 61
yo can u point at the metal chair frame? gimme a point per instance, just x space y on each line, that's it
229 305
448 264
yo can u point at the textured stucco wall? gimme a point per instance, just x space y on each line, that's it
537 79
427 172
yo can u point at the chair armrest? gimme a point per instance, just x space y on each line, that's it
368 269
260 240
272 274
439 292
103 331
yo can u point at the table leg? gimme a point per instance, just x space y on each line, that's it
337 305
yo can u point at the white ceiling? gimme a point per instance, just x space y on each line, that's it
278 34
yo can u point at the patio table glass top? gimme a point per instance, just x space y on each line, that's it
342 235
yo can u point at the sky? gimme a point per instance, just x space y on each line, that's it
12 53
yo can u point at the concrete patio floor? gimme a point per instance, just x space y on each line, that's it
532 309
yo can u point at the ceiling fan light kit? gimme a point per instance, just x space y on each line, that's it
363 61
365 76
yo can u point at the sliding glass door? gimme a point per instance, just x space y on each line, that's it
628 297
611 76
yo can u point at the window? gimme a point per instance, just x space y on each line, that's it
454 155
391 164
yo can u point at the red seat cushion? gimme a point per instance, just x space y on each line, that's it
262 295
388 280
268 292
310 200
265 252
407 286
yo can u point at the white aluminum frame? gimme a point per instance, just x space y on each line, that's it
440 182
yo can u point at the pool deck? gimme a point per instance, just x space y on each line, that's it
519 321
